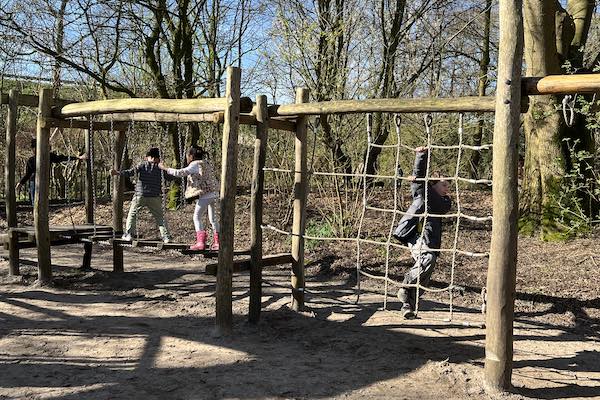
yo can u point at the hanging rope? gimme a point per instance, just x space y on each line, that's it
113 159
568 109
364 204
93 172
163 186
181 163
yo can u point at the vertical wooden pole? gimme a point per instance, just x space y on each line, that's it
229 155
10 181
89 198
501 279
42 186
256 208
117 201
300 193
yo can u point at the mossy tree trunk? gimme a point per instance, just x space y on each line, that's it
554 39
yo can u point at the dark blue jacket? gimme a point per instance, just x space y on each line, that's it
408 228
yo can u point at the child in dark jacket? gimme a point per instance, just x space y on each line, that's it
147 194
30 168
424 244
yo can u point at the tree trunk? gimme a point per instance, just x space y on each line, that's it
549 38
484 64
387 84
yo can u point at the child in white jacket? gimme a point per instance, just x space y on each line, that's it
202 186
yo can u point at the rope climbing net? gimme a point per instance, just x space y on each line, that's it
458 214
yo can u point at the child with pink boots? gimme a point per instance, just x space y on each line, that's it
202 186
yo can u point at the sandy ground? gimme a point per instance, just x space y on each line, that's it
148 334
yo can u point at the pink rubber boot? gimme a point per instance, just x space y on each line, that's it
215 244
200 241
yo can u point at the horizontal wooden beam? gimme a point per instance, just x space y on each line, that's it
176 106
561 84
420 105
31 100
244 265
159 117
250 119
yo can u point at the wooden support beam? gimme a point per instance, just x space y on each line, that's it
256 208
29 100
457 104
250 119
10 160
224 318
561 84
501 278
300 193
160 117
246 264
176 106
10 181
42 186
13 253
117 200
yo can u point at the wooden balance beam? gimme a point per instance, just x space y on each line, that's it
245 264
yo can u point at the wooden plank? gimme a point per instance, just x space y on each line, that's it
300 193
224 317
561 84
501 278
256 208
42 186
177 106
417 105
246 264
10 160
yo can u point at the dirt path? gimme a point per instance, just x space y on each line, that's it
148 334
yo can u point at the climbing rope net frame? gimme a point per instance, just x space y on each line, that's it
395 212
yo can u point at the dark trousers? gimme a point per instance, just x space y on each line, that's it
425 260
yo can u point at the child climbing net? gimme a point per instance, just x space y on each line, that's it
417 242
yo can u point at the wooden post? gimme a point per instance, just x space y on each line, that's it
256 208
10 181
89 197
117 201
300 193
501 279
229 155
42 187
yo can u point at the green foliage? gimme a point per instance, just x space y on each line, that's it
174 196
318 229
576 199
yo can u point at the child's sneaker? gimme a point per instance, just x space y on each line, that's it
407 311
126 237
166 239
